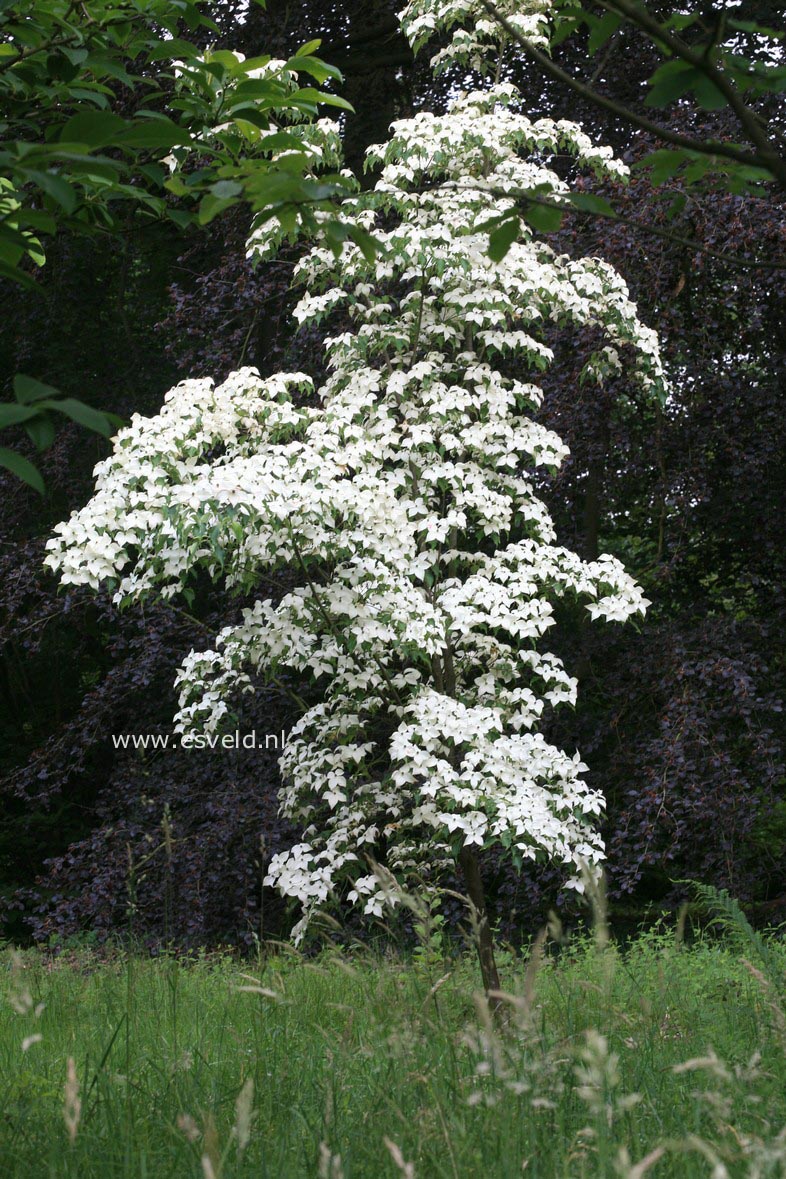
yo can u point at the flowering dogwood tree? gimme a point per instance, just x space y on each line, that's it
403 493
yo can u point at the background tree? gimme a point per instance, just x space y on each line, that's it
108 114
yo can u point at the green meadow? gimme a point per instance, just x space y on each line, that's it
660 1058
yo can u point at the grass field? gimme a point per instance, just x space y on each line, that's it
664 1059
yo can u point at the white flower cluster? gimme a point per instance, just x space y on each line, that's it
404 496
319 142
476 38
478 139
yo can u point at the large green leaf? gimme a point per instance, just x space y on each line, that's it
93 128
41 431
153 133
56 187
12 414
588 202
28 390
22 468
603 29
83 415
543 217
502 238
671 80
319 70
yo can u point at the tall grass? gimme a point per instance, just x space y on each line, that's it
663 1059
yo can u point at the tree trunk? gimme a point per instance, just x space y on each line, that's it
372 58
484 941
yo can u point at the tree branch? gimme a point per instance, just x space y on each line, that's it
663 234
703 61
729 151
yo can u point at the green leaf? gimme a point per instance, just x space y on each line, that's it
83 415
587 202
175 185
10 272
606 27
681 20
251 63
22 468
41 431
61 68
103 65
171 49
243 114
224 58
566 27
280 141
318 69
12 415
11 254
180 217
76 54
502 238
260 92
309 95
153 133
154 173
309 48
663 164
491 223
28 390
749 26
336 233
226 189
543 217
708 96
210 206
93 128
267 187
37 219
54 186
670 81
34 249
697 168
95 95
368 245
